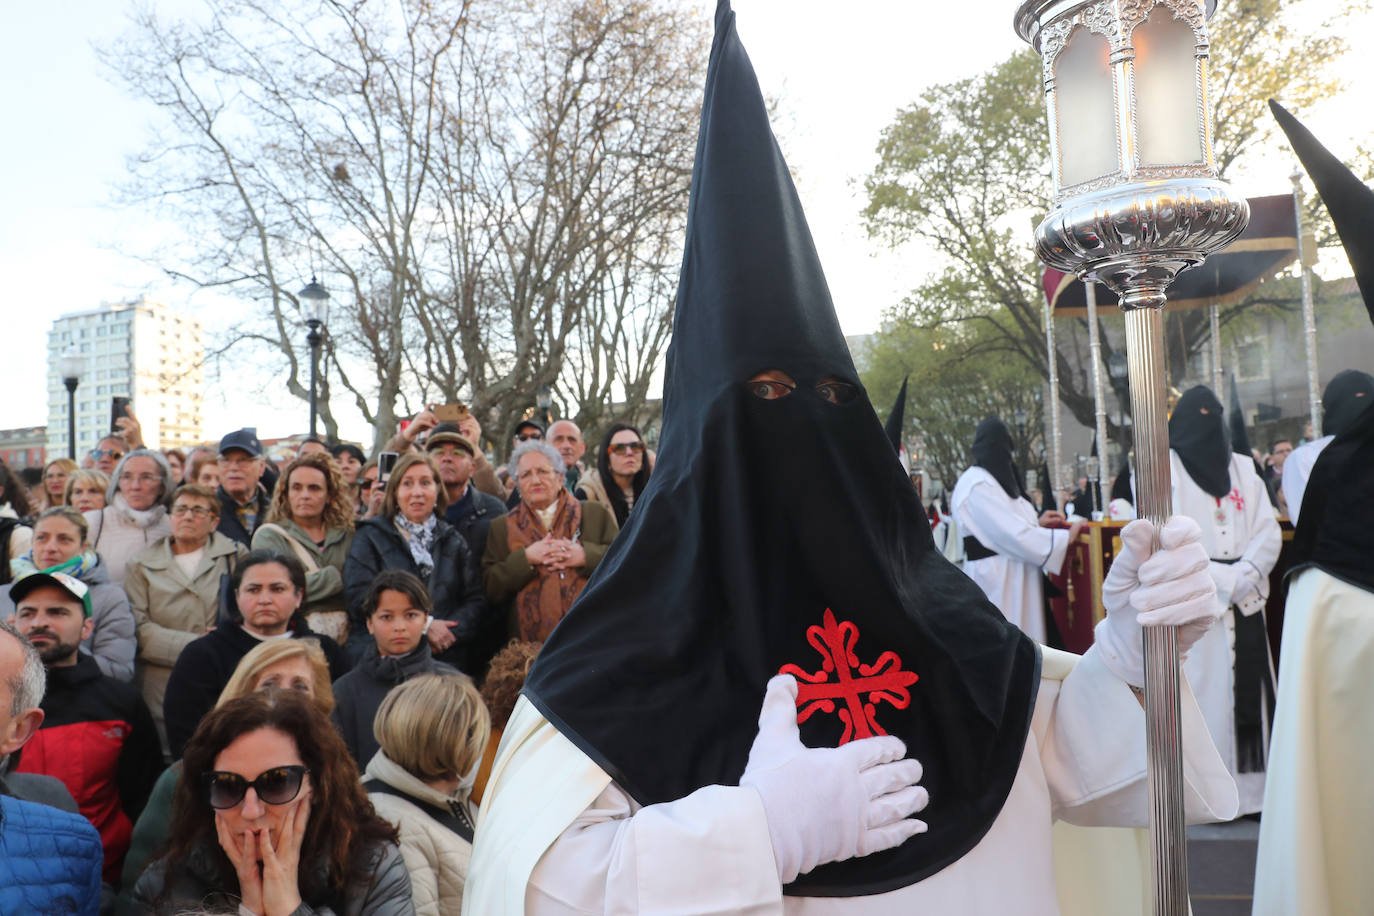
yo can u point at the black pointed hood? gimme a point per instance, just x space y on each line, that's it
779 534
1349 200
992 451
1197 431
1347 396
897 417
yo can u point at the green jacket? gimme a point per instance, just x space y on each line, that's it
324 589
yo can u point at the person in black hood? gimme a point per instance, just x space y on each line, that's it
1230 669
1311 845
1347 395
398 612
1008 548
637 772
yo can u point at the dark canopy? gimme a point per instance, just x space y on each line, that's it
775 533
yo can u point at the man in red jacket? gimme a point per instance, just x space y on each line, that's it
97 735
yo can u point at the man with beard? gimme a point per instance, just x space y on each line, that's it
1345 398
97 735
1229 670
637 773
1008 549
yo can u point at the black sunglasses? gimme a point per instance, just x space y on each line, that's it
276 786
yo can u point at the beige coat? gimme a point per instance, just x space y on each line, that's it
171 609
436 857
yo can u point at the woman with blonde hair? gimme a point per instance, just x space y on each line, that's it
284 664
432 730
311 515
55 474
85 489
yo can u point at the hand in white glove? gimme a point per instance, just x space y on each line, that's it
1172 587
828 804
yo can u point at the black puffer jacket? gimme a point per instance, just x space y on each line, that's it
454 584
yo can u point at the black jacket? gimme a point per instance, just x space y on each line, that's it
359 693
455 586
204 667
229 524
472 516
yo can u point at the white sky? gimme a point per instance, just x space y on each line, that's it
841 71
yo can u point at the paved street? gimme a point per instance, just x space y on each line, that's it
1221 867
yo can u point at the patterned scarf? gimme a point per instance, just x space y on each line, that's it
421 539
77 567
545 598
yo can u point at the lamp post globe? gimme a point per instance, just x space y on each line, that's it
71 366
315 304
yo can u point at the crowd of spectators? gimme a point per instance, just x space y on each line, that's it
229 682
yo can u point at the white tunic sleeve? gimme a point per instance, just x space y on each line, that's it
1296 469
993 518
708 853
1264 540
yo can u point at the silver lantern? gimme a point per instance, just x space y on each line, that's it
1136 200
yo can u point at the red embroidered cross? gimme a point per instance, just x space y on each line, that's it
1237 500
882 681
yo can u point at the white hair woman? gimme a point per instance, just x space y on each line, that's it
135 513
538 557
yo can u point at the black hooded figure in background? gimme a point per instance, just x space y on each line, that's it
779 559
1230 669
1346 397
1008 547
1315 836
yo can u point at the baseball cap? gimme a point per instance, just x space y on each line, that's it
348 448
245 439
72 586
448 432
523 423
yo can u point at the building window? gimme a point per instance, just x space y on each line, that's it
1252 359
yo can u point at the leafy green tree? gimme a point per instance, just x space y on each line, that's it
964 174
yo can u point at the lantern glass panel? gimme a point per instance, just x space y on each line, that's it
1085 110
1167 97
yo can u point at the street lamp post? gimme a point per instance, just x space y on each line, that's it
316 305
543 397
1137 198
70 366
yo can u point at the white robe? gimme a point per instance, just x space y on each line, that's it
1318 827
1012 579
1297 468
558 836
1241 527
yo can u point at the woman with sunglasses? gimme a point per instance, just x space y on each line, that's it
283 664
623 470
269 817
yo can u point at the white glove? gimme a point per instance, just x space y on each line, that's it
828 804
1170 588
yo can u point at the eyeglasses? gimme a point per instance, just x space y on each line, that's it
197 511
276 786
626 448
536 472
366 484
525 437
139 478
55 475
98 453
